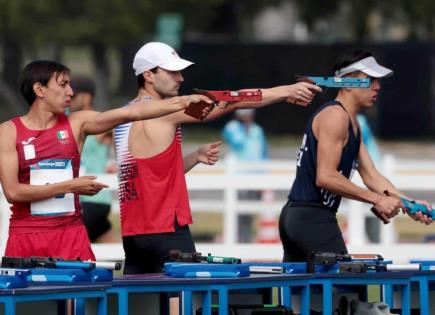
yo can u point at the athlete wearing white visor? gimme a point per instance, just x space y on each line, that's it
367 65
332 149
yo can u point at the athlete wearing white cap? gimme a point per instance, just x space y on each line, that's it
155 54
155 211
331 151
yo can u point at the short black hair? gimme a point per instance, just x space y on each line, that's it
39 71
349 57
82 84
141 79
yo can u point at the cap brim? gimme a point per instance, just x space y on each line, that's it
177 64
377 71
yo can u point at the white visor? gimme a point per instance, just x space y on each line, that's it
367 65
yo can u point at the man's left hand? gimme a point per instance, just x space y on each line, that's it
209 153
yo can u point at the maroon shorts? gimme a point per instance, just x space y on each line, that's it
67 243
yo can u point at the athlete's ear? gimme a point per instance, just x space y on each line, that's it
38 89
148 76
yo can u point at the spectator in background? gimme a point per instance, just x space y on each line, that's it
245 137
246 142
97 158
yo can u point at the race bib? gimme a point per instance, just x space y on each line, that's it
50 172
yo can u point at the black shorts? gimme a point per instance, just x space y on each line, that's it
306 229
147 253
96 219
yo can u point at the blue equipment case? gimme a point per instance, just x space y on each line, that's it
426 265
13 278
101 274
198 270
59 275
12 282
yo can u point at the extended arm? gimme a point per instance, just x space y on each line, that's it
301 92
95 122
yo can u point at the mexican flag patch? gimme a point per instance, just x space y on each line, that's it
62 134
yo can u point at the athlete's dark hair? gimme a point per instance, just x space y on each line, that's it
141 79
39 71
82 84
349 57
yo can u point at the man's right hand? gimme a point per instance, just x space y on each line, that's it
302 93
86 185
193 99
199 105
388 206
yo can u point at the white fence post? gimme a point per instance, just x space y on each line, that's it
387 231
356 223
230 201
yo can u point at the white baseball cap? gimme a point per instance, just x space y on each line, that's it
367 65
157 54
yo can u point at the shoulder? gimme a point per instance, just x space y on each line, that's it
333 115
7 127
331 122
8 132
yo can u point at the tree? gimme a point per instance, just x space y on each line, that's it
13 33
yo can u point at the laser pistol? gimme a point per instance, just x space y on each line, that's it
177 255
335 82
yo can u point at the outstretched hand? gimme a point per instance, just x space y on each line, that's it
209 153
86 185
198 106
302 93
195 98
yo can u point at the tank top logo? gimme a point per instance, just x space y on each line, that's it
328 198
28 149
62 136
26 142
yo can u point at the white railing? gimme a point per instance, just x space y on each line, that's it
229 177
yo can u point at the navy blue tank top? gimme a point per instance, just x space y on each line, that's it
304 187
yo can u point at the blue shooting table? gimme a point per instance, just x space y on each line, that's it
155 283
424 281
400 280
48 292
